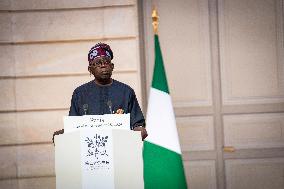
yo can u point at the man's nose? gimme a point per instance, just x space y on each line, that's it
103 64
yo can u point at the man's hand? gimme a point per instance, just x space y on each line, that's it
57 133
144 133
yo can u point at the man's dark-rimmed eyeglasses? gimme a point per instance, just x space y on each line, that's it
100 62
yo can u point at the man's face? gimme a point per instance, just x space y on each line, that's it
101 68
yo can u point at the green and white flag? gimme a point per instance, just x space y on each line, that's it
163 167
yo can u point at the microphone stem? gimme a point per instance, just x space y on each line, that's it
110 109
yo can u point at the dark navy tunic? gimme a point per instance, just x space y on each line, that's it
94 99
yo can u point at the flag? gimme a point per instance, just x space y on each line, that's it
163 167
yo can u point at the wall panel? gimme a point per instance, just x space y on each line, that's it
254 131
36 183
35 127
30 127
7 95
40 26
76 24
184 41
11 184
251 34
120 22
8 127
8 162
35 160
255 173
7 61
46 93
62 4
6 33
5 5
196 133
201 174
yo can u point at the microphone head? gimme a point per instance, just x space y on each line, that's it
85 107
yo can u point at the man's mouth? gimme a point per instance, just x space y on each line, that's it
105 73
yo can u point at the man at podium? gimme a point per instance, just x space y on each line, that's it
104 95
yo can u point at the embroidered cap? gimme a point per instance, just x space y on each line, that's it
100 50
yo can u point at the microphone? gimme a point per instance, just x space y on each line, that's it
85 108
109 106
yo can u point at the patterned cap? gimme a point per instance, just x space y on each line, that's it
99 50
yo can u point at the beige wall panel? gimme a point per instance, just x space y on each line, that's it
36 160
7 61
5 5
69 58
184 41
251 39
120 22
254 131
196 133
58 25
39 126
200 174
7 95
29 127
8 128
5 27
46 93
9 184
56 92
119 2
8 162
37 183
55 4
255 174
76 24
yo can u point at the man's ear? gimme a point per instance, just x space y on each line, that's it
112 66
89 69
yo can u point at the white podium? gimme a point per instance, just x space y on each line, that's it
99 158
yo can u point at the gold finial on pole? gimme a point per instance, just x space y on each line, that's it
155 20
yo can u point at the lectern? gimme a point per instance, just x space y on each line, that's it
98 158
